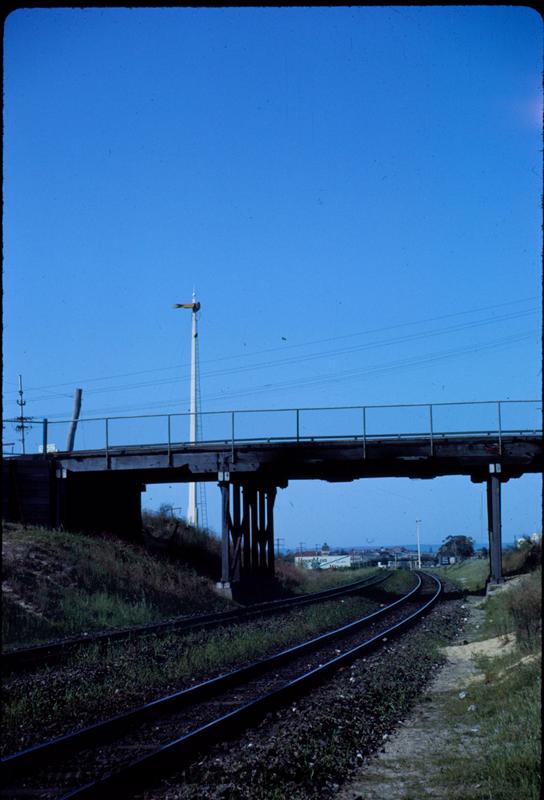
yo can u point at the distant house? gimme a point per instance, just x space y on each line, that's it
323 559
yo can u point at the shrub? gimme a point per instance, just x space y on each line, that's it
525 608
289 576
182 542
525 558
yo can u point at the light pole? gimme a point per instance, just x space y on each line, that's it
418 523
192 510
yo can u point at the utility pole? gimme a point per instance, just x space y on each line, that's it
75 418
21 402
418 523
279 546
192 510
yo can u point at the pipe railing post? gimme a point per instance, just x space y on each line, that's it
232 435
364 431
107 443
169 417
500 426
45 438
298 424
431 427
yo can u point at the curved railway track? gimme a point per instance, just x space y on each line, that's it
55 651
135 749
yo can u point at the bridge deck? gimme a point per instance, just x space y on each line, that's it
331 459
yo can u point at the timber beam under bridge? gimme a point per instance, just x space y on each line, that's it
101 489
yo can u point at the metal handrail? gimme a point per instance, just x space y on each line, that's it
364 434
291 409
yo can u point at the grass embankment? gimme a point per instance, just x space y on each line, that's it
493 749
472 573
57 584
507 704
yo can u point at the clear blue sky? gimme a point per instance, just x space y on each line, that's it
355 194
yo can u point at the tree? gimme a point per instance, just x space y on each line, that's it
458 546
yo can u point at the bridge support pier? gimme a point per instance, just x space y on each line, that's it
247 532
494 523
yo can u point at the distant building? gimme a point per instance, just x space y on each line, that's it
324 559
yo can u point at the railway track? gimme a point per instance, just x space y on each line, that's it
53 652
132 750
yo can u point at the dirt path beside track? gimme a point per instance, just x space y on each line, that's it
402 769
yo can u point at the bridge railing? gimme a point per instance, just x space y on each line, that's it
363 423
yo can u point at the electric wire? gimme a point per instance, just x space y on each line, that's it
312 356
276 349
331 377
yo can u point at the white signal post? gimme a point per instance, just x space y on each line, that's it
192 510
418 523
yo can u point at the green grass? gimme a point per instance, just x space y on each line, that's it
470 574
316 580
399 581
60 583
506 763
494 729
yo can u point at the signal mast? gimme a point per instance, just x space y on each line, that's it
192 509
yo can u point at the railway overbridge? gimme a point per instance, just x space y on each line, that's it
99 488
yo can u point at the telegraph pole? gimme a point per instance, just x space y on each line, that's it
192 510
21 402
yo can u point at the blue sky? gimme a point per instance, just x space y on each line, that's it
353 192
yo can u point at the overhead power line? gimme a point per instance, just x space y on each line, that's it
314 356
329 377
283 348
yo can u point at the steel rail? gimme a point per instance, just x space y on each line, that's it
179 752
106 730
52 652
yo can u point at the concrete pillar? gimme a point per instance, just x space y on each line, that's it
494 523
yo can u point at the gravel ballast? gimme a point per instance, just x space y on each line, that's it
308 750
